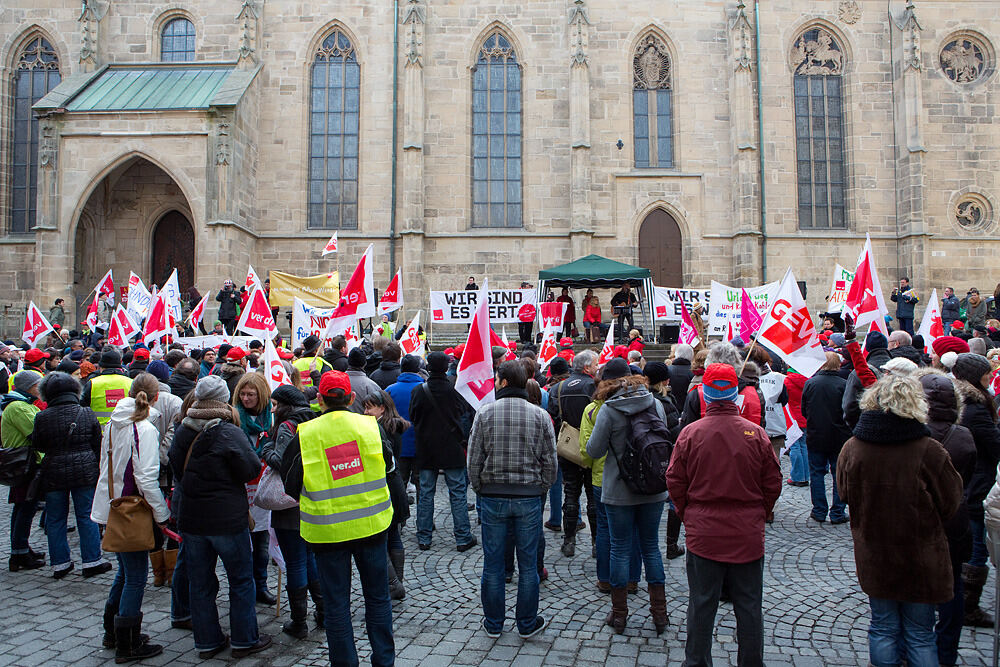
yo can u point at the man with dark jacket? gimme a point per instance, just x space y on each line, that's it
183 378
388 370
567 401
905 299
336 356
440 423
212 461
877 354
228 299
512 464
724 480
140 362
949 309
826 433
900 344
680 371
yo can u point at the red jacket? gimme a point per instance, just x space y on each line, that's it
794 383
724 480
636 344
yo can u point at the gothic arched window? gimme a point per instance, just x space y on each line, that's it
177 41
333 134
818 64
496 135
651 104
36 72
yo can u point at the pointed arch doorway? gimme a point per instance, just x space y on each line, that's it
173 246
660 248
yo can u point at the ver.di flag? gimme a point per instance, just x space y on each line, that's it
608 351
275 370
931 326
688 333
788 329
197 313
864 300
158 322
392 297
357 299
474 380
256 319
331 245
123 328
410 341
106 285
548 350
253 280
35 325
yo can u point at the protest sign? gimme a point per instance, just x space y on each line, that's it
667 301
458 306
322 290
725 302
842 279
309 320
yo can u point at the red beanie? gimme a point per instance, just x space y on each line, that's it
949 344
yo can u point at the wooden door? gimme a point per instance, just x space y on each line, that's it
660 249
173 247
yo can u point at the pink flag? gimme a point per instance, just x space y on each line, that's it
35 325
788 329
750 319
688 334
475 369
608 351
331 245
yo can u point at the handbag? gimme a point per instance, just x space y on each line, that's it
130 518
271 492
15 465
568 440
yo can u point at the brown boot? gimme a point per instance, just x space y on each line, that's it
156 558
658 607
619 610
169 563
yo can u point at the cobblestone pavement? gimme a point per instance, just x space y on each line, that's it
814 612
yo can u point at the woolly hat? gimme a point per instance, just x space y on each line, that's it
410 364
838 340
437 362
720 383
76 355
58 383
560 366
949 344
68 366
286 394
25 380
356 358
971 368
900 366
159 369
876 341
211 388
657 372
615 369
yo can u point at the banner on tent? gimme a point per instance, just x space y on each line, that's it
725 305
323 289
458 306
667 301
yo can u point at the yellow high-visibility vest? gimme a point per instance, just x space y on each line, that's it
344 493
105 392
322 366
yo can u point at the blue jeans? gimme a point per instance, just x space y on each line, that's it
203 551
623 520
901 630
555 499
334 568
456 480
800 461
819 463
603 543
21 517
300 563
130 582
56 511
499 514
180 590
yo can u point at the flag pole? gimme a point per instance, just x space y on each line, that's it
747 357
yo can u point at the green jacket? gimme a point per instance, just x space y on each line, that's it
17 422
586 426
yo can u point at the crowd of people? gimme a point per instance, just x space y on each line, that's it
337 462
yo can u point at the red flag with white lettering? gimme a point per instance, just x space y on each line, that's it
688 333
475 369
864 300
331 245
256 319
197 313
158 322
547 350
35 325
788 329
106 285
357 299
931 326
608 351
123 328
392 297
253 280
275 370
410 341
551 314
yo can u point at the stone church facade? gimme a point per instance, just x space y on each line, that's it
484 138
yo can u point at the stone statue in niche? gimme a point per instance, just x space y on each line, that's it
817 56
962 61
651 65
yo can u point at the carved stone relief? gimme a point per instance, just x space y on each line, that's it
817 52
963 60
651 65
849 11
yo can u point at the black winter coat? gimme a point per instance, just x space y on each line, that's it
387 373
137 367
227 303
336 359
822 395
180 385
441 443
569 398
680 376
976 418
213 487
72 454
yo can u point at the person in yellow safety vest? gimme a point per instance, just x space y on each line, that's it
336 466
311 360
104 389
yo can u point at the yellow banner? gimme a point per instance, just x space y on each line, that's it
321 290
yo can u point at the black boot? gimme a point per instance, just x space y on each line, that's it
110 611
129 643
569 544
673 532
398 559
298 605
316 592
396 590
973 579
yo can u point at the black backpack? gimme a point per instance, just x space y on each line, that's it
648 445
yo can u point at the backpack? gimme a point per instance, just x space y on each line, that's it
648 445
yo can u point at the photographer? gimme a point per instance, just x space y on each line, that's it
905 299
228 299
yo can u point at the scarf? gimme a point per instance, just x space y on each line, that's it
254 425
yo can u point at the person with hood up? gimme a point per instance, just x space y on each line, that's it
291 409
826 433
627 510
724 480
980 417
69 437
902 489
16 425
944 408
130 465
212 461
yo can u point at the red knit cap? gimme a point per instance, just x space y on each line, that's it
949 344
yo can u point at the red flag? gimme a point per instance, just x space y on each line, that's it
91 319
106 285
276 374
864 300
35 325
750 319
511 347
357 299
475 369
256 319
730 335
688 333
392 297
548 350
931 326
197 313
410 340
122 328
158 322
551 314
253 280
331 245
789 331
608 351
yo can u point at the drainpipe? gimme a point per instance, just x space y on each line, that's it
760 141
395 135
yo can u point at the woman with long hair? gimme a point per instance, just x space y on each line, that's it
130 465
